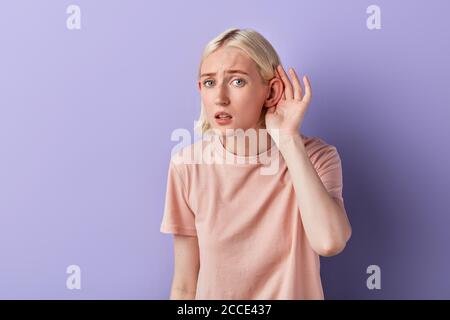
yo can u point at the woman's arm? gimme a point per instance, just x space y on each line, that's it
187 264
324 217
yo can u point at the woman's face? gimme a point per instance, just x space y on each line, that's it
230 83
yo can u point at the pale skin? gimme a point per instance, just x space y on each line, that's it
242 93
324 218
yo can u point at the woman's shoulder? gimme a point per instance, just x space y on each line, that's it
318 149
312 142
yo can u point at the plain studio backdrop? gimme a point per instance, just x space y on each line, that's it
87 112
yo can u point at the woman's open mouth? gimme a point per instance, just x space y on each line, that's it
223 118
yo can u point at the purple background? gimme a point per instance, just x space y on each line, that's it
86 118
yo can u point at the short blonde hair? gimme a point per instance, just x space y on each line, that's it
258 49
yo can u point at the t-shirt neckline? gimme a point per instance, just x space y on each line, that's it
242 158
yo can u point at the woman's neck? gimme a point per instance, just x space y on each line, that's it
249 144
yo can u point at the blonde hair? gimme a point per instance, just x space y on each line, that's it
257 48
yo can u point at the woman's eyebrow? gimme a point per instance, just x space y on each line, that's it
228 71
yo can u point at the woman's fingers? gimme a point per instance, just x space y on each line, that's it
298 93
287 83
308 91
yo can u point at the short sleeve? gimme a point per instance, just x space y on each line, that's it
178 217
329 169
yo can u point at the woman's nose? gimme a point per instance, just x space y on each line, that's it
222 95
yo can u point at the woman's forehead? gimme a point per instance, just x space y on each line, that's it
228 60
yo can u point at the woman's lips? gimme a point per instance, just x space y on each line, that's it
222 113
223 121
223 117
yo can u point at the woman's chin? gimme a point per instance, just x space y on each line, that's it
224 130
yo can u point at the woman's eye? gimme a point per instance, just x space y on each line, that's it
241 80
205 82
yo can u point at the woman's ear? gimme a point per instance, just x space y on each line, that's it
275 93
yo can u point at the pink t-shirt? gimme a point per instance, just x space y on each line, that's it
251 239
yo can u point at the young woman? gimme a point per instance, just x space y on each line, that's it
239 232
